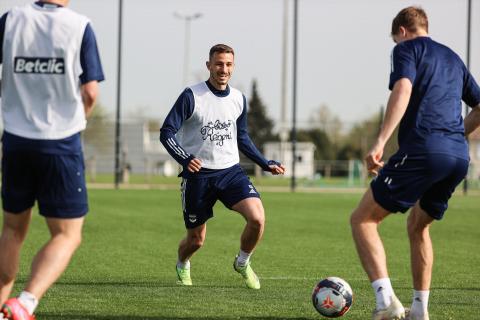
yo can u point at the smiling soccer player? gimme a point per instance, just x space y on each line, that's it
204 132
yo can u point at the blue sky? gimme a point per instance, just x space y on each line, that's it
343 54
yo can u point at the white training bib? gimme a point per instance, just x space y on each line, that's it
41 67
211 132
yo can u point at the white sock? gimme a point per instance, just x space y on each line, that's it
183 265
243 258
420 302
28 300
383 292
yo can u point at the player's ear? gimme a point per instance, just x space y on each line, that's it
402 31
207 63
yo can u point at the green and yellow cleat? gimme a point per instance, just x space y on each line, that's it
251 279
183 276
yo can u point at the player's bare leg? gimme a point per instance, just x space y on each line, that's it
188 246
14 231
420 247
421 251
192 242
53 258
364 221
252 210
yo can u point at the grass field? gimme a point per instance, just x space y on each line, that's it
105 180
136 179
125 267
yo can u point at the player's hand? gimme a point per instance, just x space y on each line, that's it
374 159
194 165
276 169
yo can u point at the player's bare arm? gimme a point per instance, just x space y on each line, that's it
89 92
472 120
396 107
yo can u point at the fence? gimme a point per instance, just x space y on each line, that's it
145 161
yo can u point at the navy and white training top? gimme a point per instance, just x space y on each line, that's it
440 81
211 125
53 82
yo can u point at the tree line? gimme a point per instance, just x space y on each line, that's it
325 131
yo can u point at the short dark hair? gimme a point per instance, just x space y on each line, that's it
220 48
411 18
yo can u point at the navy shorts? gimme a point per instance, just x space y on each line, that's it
56 182
430 178
200 194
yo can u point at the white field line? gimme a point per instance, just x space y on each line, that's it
309 278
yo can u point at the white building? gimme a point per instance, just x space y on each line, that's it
282 151
141 151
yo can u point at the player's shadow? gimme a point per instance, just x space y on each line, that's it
444 288
456 288
154 283
41 316
146 284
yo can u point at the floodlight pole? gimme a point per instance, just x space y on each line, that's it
469 38
118 172
186 55
294 95
283 114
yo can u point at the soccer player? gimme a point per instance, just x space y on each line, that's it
428 82
50 75
210 121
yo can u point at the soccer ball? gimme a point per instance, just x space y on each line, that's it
332 297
